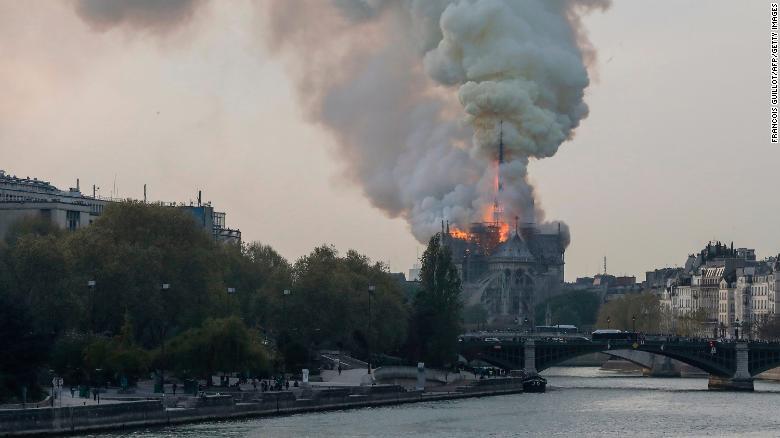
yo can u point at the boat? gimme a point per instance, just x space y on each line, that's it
534 383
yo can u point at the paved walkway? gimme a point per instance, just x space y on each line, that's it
347 378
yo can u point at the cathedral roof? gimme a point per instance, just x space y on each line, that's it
515 249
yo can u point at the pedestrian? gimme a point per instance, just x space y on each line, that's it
174 388
287 384
339 369
94 394
72 392
254 384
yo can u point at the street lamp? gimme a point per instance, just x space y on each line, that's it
53 387
91 284
163 288
98 382
285 293
371 290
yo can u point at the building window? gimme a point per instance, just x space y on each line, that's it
72 219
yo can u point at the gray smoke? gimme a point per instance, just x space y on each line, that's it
414 91
152 15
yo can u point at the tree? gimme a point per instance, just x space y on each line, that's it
577 308
258 274
769 328
644 307
118 357
24 350
328 306
435 324
82 288
130 252
220 345
475 315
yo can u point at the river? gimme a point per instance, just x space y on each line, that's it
580 402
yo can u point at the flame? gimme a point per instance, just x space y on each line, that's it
491 215
460 234
504 231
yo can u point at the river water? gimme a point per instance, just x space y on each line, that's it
580 402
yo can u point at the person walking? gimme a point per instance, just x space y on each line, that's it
174 388
339 369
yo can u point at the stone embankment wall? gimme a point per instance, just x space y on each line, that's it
387 373
117 416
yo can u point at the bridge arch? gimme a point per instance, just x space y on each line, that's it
511 355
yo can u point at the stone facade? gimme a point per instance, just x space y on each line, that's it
508 278
71 209
728 288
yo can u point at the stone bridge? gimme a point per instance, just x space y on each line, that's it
731 365
653 364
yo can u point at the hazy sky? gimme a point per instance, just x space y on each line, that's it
675 151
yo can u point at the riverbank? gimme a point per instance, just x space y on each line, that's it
188 409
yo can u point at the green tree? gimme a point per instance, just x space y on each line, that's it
220 345
258 274
640 311
576 307
130 252
328 306
475 315
67 357
24 350
437 309
118 356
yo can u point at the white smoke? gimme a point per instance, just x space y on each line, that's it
384 75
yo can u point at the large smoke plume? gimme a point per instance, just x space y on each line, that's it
414 91
153 15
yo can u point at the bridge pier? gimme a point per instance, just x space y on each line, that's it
530 357
662 366
741 380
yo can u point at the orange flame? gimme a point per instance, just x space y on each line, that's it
459 234
491 216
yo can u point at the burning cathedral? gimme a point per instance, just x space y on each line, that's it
507 271
508 277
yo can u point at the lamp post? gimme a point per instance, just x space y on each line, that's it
163 288
53 387
285 294
91 284
98 382
371 289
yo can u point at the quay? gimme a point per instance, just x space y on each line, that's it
171 410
